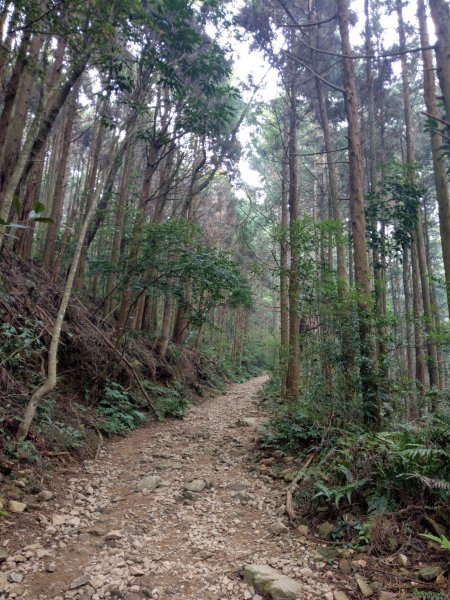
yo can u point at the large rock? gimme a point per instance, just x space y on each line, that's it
151 482
272 583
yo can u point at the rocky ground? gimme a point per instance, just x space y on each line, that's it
175 510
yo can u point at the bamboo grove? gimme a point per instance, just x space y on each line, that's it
119 137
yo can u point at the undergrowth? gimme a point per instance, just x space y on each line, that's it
362 471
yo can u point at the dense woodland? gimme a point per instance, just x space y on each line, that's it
121 192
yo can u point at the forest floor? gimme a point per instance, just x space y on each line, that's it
207 512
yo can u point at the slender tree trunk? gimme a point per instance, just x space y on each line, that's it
437 144
60 183
419 244
293 370
284 256
50 382
369 379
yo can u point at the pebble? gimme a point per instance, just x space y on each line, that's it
141 528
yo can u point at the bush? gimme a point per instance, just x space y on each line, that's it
374 473
118 414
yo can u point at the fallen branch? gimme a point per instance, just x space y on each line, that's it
293 486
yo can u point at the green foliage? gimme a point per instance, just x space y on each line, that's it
378 472
170 401
395 203
426 595
18 342
442 540
118 414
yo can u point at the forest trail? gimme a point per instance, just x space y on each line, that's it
109 539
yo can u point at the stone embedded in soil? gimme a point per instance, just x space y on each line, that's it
278 528
365 588
3 582
196 485
345 566
326 530
16 506
429 573
114 535
3 555
402 560
248 422
44 496
151 482
272 583
80 581
340 596
15 577
58 520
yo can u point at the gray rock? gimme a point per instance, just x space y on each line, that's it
15 577
50 567
248 422
278 528
402 560
3 582
151 482
16 507
237 487
44 496
58 520
285 588
429 573
365 588
3 555
340 596
197 485
272 583
114 535
80 581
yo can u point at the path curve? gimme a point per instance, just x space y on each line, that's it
102 537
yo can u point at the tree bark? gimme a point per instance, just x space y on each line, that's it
368 372
437 144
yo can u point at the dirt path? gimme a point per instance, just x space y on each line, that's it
101 536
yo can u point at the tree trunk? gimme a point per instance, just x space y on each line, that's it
50 382
368 373
60 183
437 144
293 370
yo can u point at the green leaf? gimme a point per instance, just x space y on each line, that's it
38 207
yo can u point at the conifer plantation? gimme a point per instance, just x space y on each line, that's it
171 226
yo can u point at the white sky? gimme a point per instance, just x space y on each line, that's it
253 63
